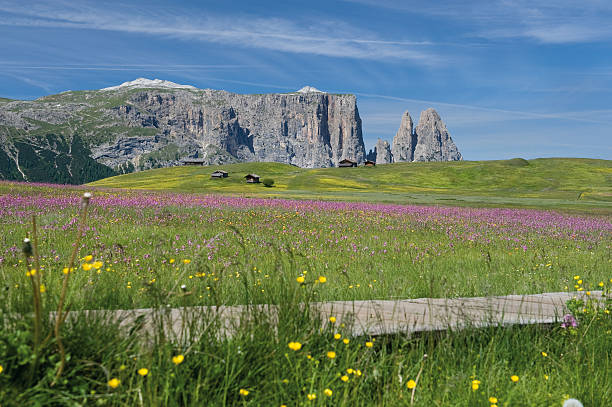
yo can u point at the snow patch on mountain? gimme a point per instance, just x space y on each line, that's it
309 89
150 83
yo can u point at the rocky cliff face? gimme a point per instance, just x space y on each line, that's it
382 152
430 141
144 124
404 140
433 140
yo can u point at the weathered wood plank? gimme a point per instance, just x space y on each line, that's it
375 317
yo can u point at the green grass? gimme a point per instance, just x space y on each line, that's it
241 254
580 184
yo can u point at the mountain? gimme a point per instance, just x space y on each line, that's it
80 136
429 141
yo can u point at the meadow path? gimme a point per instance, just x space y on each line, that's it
372 317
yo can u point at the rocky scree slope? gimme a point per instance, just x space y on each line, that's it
76 137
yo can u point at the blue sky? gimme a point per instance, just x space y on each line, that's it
522 78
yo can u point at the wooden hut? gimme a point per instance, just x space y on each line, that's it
252 178
192 161
370 163
347 163
219 174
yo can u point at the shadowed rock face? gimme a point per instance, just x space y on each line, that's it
146 125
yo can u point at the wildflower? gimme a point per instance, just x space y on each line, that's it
350 371
346 341
344 378
27 247
514 378
295 346
65 270
328 392
369 344
114 383
358 372
545 377
89 257
300 279
43 288
244 392
411 384
569 321
331 354
493 400
572 403
86 266
544 354
178 359
601 284
1 368
322 279
332 319
171 261
97 265
143 372
186 261
576 277
122 367
337 336
311 396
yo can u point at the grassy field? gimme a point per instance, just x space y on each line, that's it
579 184
140 247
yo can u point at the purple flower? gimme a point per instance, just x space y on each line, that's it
569 321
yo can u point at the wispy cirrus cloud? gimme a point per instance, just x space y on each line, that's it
542 21
327 38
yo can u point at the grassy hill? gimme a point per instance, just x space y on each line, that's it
553 182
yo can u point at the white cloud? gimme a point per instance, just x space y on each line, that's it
327 38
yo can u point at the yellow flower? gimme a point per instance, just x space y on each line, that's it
358 372
295 346
88 258
143 372
178 359
474 386
369 344
576 277
114 383
350 371
186 261
65 270
97 265
337 336
328 392
311 396
87 266
514 378
601 284
43 288
1 368
544 354
331 354
492 400
344 378
300 279
545 377
411 384
322 279
332 320
579 281
244 392
122 367
171 261
346 341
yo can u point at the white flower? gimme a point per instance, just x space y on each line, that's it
572 403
